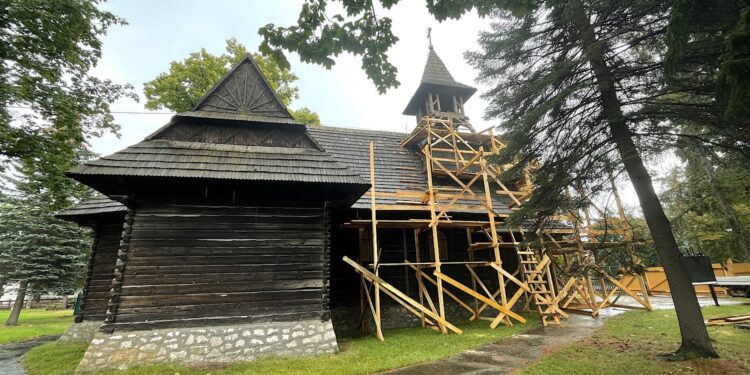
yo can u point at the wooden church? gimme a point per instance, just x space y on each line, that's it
235 232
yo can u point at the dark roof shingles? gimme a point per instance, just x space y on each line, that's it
165 158
396 168
97 205
436 73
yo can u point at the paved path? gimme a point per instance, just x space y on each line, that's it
517 351
10 354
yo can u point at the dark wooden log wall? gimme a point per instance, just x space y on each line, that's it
100 271
193 265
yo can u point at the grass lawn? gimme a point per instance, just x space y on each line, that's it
34 323
362 355
635 343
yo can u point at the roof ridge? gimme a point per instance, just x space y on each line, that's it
357 130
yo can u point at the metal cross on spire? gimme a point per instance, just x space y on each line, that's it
429 36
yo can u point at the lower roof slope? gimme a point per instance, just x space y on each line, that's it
167 158
346 160
99 204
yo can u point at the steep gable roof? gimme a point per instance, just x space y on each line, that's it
436 76
436 73
249 147
242 94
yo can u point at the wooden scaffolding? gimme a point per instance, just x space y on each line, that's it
459 178
594 287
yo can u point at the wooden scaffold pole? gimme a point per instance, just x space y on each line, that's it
433 216
374 242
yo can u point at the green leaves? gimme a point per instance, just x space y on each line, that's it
188 80
701 222
706 61
306 116
183 86
49 104
318 38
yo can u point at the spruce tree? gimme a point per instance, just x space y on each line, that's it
41 252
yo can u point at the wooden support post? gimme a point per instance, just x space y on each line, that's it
482 298
493 233
644 292
418 274
447 293
473 282
433 214
374 241
401 297
406 256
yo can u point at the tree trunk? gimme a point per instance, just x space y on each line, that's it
64 302
18 304
695 340
726 205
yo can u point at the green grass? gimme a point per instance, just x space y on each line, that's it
34 323
53 358
638 341
402 347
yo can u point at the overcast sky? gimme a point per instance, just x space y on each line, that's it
163 31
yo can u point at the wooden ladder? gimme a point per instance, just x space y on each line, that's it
539 280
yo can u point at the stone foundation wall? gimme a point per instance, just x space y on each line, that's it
80 332
208 345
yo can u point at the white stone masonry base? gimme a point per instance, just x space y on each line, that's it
208 345
80 332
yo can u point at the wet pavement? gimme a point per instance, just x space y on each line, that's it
517 351
10 354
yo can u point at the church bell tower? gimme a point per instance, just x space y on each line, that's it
438 93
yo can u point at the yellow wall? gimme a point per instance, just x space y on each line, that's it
657 280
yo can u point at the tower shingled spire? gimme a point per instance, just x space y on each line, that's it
438 91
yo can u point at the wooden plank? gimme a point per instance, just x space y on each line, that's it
447 292
374 240
512 278
433 217
404 298
478 296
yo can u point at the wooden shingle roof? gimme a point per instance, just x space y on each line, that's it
436 73
397 168
167 158
239 130
96 205
436 77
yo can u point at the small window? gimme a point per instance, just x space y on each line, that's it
365 253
